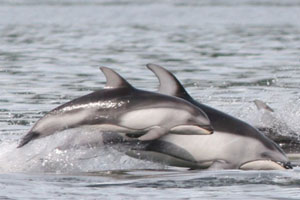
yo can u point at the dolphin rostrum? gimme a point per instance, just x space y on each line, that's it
234 144
122 108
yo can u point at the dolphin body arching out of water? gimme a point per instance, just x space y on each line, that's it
122 108
234 144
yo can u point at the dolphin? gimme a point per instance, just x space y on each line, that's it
234 144
120 107
276 129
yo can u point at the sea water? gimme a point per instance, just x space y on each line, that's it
226 54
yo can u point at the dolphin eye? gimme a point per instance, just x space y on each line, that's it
265 155
190 121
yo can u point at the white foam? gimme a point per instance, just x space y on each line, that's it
46 155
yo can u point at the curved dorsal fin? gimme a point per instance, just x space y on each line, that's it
113 79
262 106
168 83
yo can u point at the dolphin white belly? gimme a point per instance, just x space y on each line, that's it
218 146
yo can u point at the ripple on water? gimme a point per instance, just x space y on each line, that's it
226 53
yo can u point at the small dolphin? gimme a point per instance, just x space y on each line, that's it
234 144
120 107
277 130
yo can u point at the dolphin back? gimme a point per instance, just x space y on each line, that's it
80 111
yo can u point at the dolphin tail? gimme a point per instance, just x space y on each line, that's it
28 137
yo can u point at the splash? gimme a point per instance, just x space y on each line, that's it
279 124
63 153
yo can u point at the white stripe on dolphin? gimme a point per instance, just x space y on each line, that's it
234 144
122 108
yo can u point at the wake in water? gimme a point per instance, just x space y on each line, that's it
280 125
62 153
72 151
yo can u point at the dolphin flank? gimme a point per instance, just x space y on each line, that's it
234 144
120 107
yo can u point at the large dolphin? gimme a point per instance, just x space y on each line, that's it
234 144
120 107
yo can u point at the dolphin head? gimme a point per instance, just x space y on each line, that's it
270 157
191 121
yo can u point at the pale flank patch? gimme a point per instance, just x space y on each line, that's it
114 128
54 123
145 118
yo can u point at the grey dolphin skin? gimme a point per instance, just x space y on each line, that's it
122 108
234 144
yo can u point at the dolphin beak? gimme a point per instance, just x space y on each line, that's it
207 129
286 165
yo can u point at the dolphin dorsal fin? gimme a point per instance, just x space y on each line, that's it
168 83
262 105
113 79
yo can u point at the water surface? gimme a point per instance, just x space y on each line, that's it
226 53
